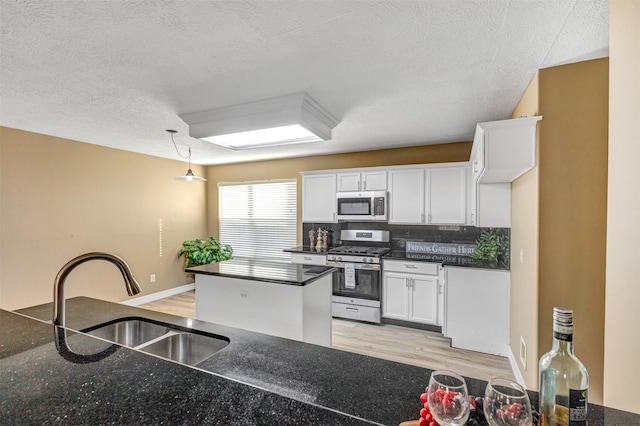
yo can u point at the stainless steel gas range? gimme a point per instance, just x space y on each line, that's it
357 284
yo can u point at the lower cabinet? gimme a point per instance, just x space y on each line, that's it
477 309
410 296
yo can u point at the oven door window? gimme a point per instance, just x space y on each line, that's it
367 284
354 206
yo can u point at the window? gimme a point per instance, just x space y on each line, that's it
258 219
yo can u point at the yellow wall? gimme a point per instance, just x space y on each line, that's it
61 198
291 168
524 236
622 326
559 218
573 207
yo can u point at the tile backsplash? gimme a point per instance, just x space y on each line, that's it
401 234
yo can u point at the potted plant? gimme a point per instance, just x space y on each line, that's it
492 246
201 252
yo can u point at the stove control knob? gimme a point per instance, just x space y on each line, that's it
370 260
339 258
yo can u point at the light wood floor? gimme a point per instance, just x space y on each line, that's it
401 344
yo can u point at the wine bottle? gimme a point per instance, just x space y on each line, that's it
564 381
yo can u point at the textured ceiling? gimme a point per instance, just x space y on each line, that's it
395 73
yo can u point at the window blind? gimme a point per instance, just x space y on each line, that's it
258 219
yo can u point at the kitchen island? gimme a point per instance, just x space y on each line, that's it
255 380
276 298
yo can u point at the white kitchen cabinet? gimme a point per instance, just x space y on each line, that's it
507 149
319 197
362 181
410 296
395 296
477 309
490 203
502 151
406 196
446 195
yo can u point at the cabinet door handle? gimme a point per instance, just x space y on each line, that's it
307 258
422 217
348 308
365 184
406 281
410 266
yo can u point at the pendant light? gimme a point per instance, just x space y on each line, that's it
190 177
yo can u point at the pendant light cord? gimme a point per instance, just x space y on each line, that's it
171 132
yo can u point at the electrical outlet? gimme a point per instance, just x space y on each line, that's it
521 255
245 295
152 278
523 353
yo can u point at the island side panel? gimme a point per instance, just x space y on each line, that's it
317 311
269 308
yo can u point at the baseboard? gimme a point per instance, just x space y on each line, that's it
159 295
411 324
515 369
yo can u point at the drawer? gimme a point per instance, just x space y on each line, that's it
355 312
309 259
427 268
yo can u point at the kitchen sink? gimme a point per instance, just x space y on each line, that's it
129 332
185 346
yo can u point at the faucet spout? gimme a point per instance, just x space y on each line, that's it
133 287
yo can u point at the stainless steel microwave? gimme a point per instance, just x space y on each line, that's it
362 205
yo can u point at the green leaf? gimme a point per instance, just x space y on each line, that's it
202 252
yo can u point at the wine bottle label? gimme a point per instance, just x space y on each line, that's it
562 332
578 406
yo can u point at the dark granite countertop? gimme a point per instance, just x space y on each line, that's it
257 379
261 270
307 250
463 261
400 254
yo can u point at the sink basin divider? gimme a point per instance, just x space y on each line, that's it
168 334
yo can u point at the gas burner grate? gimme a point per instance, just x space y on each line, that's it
358 250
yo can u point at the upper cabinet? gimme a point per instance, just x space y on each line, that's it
362 181
432 195
446 195
319 197
476 192
406 196
504 150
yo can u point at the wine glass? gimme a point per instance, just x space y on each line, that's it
448 398
506 403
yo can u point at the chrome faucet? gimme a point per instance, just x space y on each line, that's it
58 287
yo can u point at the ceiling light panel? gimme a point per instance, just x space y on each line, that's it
284 120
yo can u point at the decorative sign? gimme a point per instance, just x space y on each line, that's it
450 249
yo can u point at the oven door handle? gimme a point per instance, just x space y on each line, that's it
360 266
